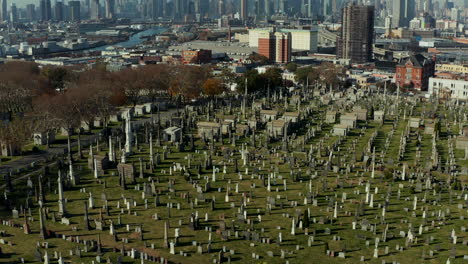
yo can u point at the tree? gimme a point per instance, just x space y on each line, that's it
291 67
305 74
157 80
56 76
15 134
253 80
132 82
213 87
62 108
228 76
273 77
19 84
187 80
258 58
331 74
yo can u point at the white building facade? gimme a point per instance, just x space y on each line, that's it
458 89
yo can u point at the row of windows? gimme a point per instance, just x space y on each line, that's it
452 85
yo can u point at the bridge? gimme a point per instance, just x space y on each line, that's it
326 37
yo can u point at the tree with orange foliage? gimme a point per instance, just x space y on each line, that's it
213 86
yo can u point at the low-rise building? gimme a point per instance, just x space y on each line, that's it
268 115
277 128
361 114
330 117
172 134
415 72
292 117
209 128
379 115
200 56
340 130
461 143
450 88
414 122
453 68
349 120
42 138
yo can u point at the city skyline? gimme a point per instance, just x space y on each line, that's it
23 3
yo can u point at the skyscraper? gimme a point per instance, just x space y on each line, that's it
244 10
403 12
428 7
110 9
327 8
46 10
31 12
14 13
4 11
94 10
58 11
75 11
355 42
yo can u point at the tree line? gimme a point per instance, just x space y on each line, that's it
47 99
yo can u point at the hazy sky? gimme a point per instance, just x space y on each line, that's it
22 3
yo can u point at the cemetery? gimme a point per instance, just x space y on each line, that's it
303 176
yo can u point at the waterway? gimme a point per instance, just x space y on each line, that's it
135 39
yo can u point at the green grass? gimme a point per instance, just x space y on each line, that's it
354 241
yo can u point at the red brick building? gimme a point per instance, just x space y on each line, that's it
266 46
196 56
283 47
415 72
276 47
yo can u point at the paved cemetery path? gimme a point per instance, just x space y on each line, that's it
58 150
54 150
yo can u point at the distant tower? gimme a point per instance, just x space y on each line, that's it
4 11
429 7
58 11
403 12
14 14
75 12
31 12
110 9
355 43
243 10
94 10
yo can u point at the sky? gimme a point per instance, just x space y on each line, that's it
22 3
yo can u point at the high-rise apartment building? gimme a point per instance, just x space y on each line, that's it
282 47
355 42
266 45
58 11
94 10
75 12
403 12
244 10
31 12
110 9
46 10
275 46
4 11
13 13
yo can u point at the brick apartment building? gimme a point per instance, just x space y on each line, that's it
275 46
